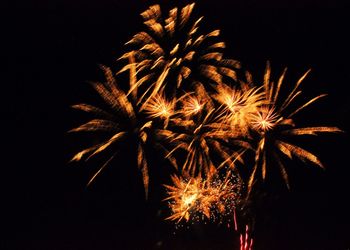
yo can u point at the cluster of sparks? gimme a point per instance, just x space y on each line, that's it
186 96
199 199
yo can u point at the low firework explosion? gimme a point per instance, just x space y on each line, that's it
197 199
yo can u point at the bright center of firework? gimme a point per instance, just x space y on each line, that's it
233 104
265 119
164 111
197 107
265 125
191 106
189 199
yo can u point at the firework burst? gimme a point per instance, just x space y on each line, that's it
191 105
171 48
198 198
238 104
125 121
203 138
264 119
186 97
275 125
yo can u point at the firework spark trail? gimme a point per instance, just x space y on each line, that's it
246 243
235 219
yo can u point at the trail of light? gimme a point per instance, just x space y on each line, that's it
235 219
246 243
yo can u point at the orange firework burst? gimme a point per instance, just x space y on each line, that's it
172 48
159 107
191 105
201 138
238 105
185 98
196 198
125 121
274 125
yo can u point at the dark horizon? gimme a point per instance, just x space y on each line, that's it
53 49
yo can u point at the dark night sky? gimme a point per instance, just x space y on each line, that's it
53 47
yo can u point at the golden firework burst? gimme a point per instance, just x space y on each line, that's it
172 48
279 123
197 198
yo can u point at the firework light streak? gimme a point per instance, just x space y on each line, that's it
246 243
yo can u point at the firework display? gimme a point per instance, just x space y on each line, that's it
187 98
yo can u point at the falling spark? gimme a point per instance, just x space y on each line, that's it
235 219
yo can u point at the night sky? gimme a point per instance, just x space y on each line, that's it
52 48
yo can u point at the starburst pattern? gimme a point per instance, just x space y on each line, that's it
275 125
264 119
159 107
191 105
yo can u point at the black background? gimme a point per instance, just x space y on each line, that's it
51 48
